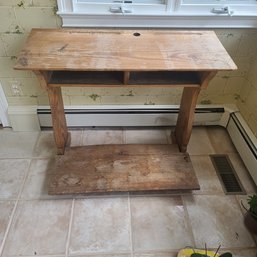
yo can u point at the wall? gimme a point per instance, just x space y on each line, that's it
18 17
247 100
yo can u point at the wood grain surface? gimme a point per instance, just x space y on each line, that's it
121 50
110 168
127 58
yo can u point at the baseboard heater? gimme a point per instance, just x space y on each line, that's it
244 141
126 117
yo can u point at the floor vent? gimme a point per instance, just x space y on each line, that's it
227 174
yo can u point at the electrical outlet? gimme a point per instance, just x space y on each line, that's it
16 88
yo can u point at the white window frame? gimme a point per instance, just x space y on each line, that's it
159 13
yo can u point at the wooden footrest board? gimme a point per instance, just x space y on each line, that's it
117 168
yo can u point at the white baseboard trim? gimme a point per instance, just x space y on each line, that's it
31 118
244 141
24 118
4 119
133 115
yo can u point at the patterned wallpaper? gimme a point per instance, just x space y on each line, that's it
19 16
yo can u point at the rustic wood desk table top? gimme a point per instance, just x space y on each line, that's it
123 58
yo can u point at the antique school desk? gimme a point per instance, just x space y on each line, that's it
123 58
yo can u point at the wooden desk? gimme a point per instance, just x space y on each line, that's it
124 58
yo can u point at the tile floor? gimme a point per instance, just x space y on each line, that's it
118 225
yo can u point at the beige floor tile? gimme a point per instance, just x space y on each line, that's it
243 202
101 195
220 140
243 253
45 147
39 228
100 225
36 184
102 137
105 255
199 143
17 144
158 223
156 254
155 193
170 134
6 208
146 136
217 220
242 199
12 175
206 174
76 137
243 174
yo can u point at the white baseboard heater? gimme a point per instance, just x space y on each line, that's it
127 116
244 141
133 116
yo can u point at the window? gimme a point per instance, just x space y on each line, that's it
159 13
219 7
119 6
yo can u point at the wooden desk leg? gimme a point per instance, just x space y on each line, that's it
186 117
57 110
58 118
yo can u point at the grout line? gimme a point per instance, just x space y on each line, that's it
188 222
69 230
237 248
84 137
78 197
120 253
97 254
130 224
124 136
28 158
156 252
206 193
168 133
89 196
8 199
81 138
24 180
22 184
36 143
45 198
52 255
8 227
14 209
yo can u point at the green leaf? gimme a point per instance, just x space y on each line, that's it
252 201
226 255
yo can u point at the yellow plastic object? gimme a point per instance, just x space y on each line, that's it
187 252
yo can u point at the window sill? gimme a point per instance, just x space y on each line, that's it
158 20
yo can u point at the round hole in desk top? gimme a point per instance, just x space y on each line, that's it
136 34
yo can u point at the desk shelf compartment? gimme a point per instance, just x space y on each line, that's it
163 78
87 77
125 78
